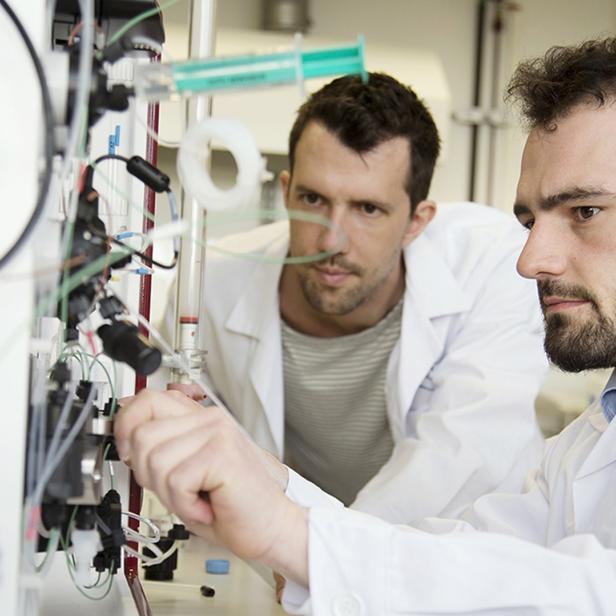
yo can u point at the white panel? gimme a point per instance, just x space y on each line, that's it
19 155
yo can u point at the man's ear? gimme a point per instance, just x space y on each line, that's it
285 184
423 214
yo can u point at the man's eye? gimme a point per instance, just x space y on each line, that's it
311 199
586 212
370 209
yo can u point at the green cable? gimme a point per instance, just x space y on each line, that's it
64 539
76 353
88 595
70 562
96 360
320 256
222 218
135 20
78 278
97 583
52 545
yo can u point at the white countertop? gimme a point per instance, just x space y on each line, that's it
242 591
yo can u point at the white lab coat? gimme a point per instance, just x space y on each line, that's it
461 381
550 551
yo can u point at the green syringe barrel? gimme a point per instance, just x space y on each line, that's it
209 75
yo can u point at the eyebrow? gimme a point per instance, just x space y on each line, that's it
302 188
575 193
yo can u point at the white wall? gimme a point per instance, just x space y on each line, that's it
447 27
443 26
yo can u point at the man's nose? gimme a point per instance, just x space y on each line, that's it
544 254
334 234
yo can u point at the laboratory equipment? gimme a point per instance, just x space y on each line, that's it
210 75
83 263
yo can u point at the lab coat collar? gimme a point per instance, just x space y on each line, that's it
431 284
258 305
429 281
431 291
608 398
604 452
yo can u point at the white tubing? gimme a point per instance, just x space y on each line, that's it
193 164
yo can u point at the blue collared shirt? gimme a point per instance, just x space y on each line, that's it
608 398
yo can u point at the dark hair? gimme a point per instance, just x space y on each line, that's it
548 88
364 115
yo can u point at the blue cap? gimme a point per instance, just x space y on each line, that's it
219 566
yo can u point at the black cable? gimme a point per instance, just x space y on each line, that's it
49 142
100 159
151 177
133 251
145 257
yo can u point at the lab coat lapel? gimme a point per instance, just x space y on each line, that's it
257 315
594 487
431 292
604 450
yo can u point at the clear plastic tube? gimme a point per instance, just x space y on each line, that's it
52 464
66 407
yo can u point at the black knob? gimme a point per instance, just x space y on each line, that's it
123 342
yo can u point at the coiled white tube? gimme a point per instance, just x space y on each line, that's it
193 159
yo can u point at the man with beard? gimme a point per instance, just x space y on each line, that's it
548 551
397 360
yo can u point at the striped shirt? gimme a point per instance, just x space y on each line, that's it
336 428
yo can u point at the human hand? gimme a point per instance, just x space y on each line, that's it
192 390
179 449
278 471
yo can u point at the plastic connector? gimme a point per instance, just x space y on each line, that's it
86 543
112 536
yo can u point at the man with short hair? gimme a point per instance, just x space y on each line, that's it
548 551
397 361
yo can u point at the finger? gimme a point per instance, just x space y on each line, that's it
149 436
192 390
185 482
146 406
161 460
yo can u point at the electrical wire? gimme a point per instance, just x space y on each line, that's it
100 159
224 218
174 217
138 19
77 135
48 136
146 258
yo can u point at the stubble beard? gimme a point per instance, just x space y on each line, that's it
346 300
575 345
